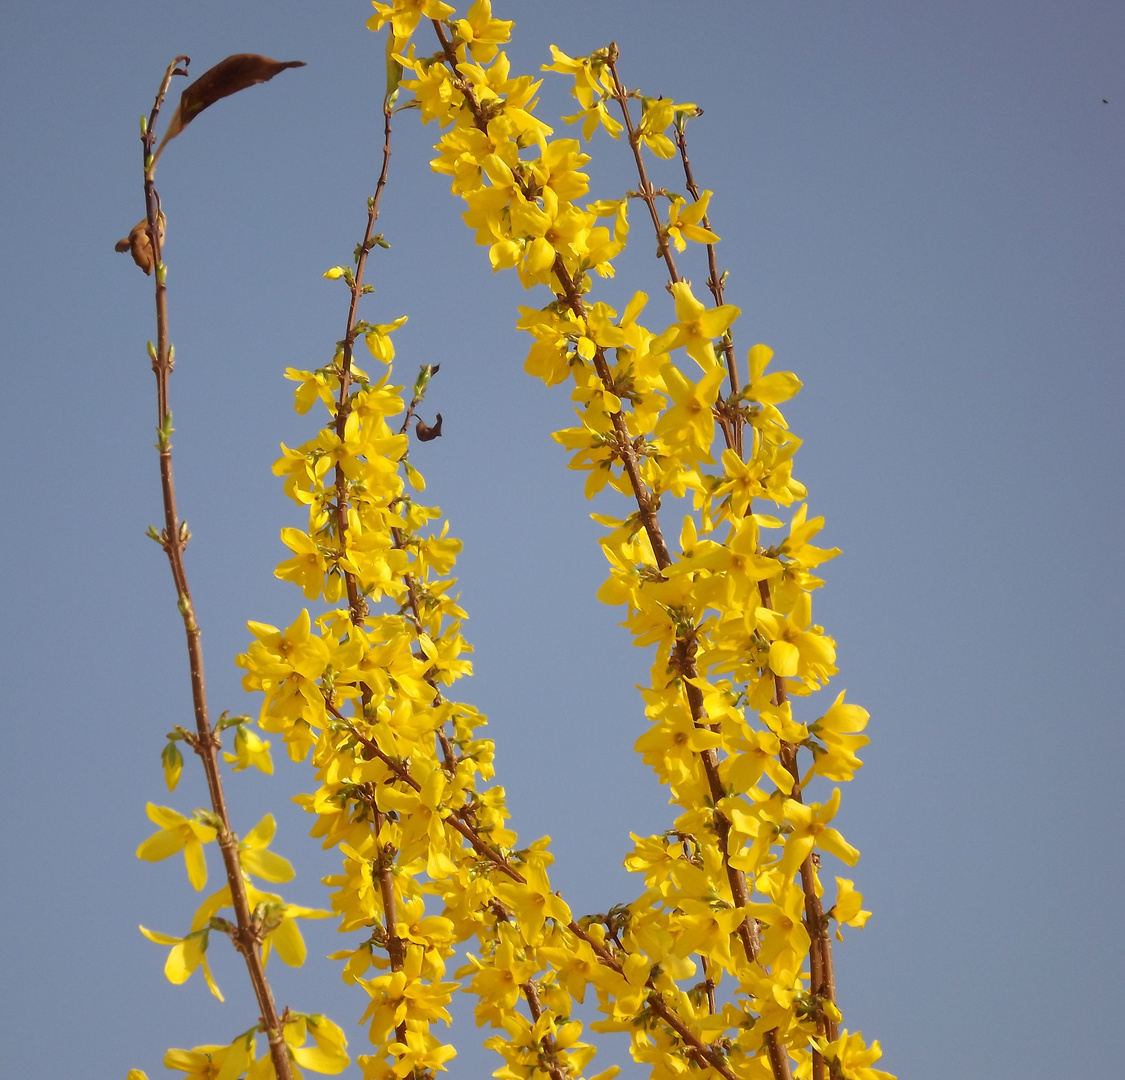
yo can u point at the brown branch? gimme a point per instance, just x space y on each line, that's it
730 422
460 819
396 948
698 1049
556 1068
822 978
647 507
647 191
357 605
247 933
779 1059
714 283
708 984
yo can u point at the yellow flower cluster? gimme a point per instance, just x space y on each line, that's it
733 894
273 922
398 763
276 928
311 1041
721 967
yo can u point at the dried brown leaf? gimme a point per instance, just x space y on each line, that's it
227 77
139 244
426 432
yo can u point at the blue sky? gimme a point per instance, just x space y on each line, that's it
921 213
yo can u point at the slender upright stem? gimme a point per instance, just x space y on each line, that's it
647 191
247 933
356 603
822 979
715 279
731 425
556 1069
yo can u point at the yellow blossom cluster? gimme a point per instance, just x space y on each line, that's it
274 922
723 963
312 1042
402 771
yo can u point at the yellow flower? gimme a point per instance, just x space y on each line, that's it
534 902
837 729
297 651
378 340
186 955
785 941
576 966
404 16
591 83
250 749
315 385
255 857
656 115
481 32
689 423
797 547
848 1056
283 934
672 746
741 482
286 665
498 980
769 389
798 649
329 1052
178 833
307 567
404 996
173 763
699 325
684 222
592 116
848 908
211 1062
557 168
433 89
420 1052
811 830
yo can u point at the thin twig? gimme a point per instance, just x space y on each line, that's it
647 191
822 980
356 603
730 422
555 1068
247 933
714 281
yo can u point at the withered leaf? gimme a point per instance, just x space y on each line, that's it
139 244
227 77
426 432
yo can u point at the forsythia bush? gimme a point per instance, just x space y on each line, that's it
721 966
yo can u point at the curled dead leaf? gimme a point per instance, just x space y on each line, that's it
139 243
426 432
227 77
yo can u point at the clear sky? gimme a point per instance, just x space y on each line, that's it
921 210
